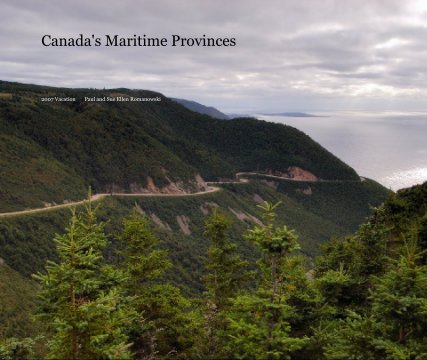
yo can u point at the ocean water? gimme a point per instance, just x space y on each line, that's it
390 148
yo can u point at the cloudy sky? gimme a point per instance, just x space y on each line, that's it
291 55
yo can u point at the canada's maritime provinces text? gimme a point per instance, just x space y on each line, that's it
137 41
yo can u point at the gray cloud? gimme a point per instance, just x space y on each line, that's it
291 55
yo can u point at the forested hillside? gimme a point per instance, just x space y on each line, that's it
131 146
26 240
364 297
202 109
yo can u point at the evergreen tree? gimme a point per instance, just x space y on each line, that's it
260 326
227 274
345 271
162 323
422 238
396 324
80 300
226 271
17 349
307 304
399 303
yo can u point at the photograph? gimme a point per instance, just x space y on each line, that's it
213 180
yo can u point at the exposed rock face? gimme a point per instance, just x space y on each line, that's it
307 191
258 199
297 173
173 188
245 217
114 188
156 220
184 224
294 173
204 209
177 187
207 206
137 188
138 208
160 223
150 185
273 184
200 183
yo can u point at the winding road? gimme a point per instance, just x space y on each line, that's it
101 196
210 189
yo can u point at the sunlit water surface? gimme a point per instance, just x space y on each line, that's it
388 147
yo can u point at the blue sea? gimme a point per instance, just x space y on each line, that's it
388 147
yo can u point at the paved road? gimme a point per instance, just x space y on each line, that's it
238 175
211 189
97 197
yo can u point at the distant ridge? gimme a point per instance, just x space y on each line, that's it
236 116
202 109
293 114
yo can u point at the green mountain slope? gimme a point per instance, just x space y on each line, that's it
30 174
26 241
128 145
17 301
202 109
405 213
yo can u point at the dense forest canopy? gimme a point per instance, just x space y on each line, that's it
364 298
